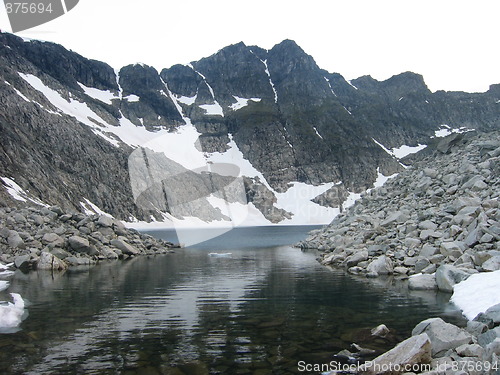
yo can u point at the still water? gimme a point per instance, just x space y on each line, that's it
258 310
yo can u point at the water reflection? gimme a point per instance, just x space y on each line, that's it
261 309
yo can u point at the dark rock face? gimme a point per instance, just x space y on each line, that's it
298 122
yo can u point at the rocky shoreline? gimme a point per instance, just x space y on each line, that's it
435 224
48 238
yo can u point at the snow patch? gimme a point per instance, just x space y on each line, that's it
18 92
214 109
316 131
91 209
186 99
101 95
401 151
71 107
350 83
18 193
347 110
330 86
132 98
381 179
242 102
477 294
269 76
446 130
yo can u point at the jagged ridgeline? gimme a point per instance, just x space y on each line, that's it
304 140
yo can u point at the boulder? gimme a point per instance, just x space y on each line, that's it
488 337
357 257
22 261
395 218
443 336
452 249
381 266
15 241
48 261
105 221
422 282
53 239
470 350
447 276
380 331
413 351
492 264
124 246
427 224
493 313
79 244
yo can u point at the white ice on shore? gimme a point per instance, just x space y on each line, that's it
12 313
3 285
478 293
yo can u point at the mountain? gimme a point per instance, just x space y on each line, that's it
263 134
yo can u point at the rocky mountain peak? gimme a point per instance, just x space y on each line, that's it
286 123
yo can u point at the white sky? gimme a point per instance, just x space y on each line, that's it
454 44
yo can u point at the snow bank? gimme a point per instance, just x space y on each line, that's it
478 293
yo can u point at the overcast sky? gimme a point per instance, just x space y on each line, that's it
454 44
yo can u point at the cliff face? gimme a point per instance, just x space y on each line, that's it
70 124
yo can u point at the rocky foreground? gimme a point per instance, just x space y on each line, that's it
435 224
48 238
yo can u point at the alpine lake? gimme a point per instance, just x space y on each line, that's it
246 302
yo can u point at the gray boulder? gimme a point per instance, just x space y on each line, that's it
452 249
395 218
124 246
53 239
48 261
105 221
79 244
422 282
413 351
22 261
447 276
492 313
443 336
15 241
488 337
492 264
357 257
381 266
